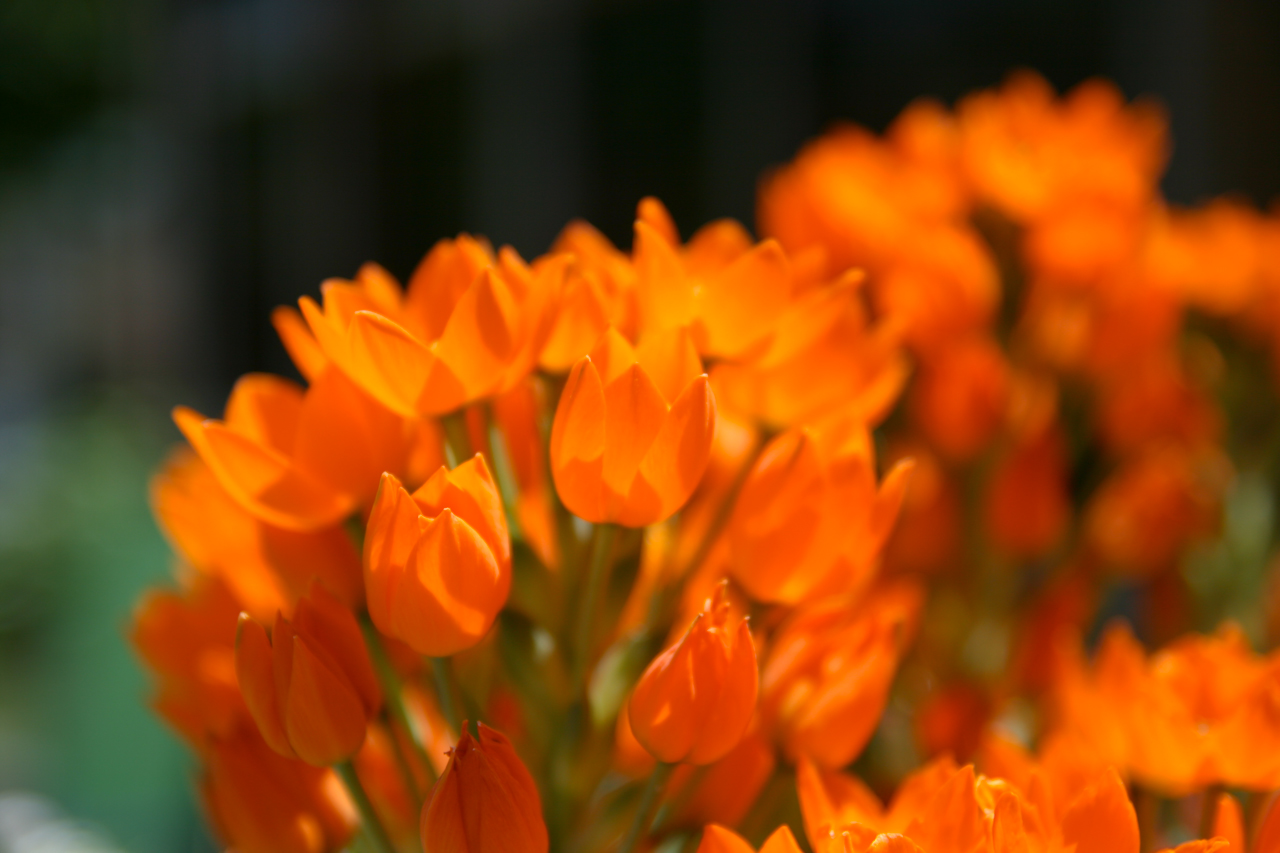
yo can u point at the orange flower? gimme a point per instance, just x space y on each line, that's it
310 686
187 639
261 802
827 676
437 563
722 792
302 460
266 567
926 536
600 291
695 700
517 414
809 520
484 802
469 326
961 396
1204 711
717 839
633 430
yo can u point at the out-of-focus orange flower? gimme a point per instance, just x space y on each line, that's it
517 414
961 396
826 679
952 720
1159 501
1210 258
384 781
1203 711
437 563
1041 649
302 460
949 810
927 534
1154 401
600 291
718 839
484 802
1228 821
810 520
266 567
261 802
633 430
1027 504
724 791
468 326
187 639
310 685
695 700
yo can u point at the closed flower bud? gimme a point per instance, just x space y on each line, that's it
437 563
484 802
717 839
310 686
694 702
633 430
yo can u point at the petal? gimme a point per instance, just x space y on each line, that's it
390 537
893 843
477 344
331 631
634 415
445 274
654 213
664 291
388 361
1101 819
718 839
578 443
670 359
661 708
1228 821
266 409
677 456
260 479
739 307
257 683
323 715
735 701
469 490
581 321
299 342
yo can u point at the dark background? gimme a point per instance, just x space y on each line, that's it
169 171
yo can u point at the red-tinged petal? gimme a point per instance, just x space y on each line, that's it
1268 837
677 456
331 631
739 307
479 341
326 555
388 361
265 409
299 342
442 829
257 683
671 360
578 443
664 291
509 813
661 708
718 839
323 715
1101 819
723 725
260 479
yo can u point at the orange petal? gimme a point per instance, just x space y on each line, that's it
388 361
477 344
332 632
1102 819
469 490
677 456
634 414
670 359
266 409
299 342
323 715
718 839
257 683
390 537
664 292
578 443
1228 821
740 306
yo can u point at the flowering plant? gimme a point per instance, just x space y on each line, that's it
727 542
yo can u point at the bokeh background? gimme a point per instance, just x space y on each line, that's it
172 169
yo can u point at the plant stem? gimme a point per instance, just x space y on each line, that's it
392 688
644 811
444 693
597 573
373 827
457 438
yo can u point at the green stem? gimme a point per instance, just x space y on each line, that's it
500 463
444 693
393 688
457 438
644 811
597 573
1209 810
373 827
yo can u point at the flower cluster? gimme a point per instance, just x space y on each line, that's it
644 550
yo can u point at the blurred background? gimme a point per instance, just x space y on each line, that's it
170 171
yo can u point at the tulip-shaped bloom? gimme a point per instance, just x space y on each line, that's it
437 563
310 686
633 430
827 677
260 802
484 802
809 520
695 701
301 460
468 326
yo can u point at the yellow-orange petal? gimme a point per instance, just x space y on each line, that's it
670 359
303 348
740 306
388 361
478 342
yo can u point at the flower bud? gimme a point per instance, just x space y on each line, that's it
484 802
695 700
717 839
310 686
437 563
633 430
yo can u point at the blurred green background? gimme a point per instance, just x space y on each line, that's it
171 169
